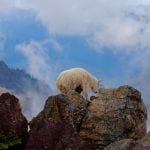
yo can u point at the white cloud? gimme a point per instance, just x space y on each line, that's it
7 5
143 2
39 65
117 24
141 82
56 45
38 61
106 23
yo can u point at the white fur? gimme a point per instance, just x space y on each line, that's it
70 79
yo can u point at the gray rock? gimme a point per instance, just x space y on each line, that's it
116 114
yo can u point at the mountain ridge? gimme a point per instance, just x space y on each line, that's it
31 91
18 80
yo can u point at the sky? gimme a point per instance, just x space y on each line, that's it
108 38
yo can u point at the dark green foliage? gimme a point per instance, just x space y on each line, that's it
9 140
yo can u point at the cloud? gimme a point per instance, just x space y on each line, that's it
55 45
32 102
38 63
105 23
141 82
120 25
144 2
7 6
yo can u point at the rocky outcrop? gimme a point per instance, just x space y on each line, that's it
144 143
125 144
12 122
116 114
116 119
63 109
54 135
58 125
130 144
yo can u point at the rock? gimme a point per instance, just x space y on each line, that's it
116 114
57 125
130 144
12 121
144 143
61 108
54 135
125 144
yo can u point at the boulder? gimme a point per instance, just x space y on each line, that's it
59 107
54 135
58 124
116 114
130 144
144 143
13 124
125 144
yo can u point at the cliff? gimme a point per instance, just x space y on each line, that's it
13 124
115 115
115 119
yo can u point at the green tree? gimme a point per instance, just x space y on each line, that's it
9 140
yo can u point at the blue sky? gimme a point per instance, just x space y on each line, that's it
21 26
108 38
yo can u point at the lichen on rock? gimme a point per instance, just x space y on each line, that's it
130 144
114 115
57 125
